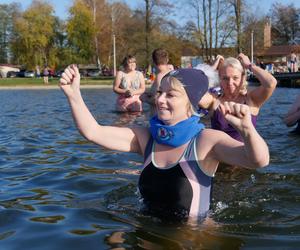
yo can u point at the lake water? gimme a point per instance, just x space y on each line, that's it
58 191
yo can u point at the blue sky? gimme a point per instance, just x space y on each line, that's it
61 6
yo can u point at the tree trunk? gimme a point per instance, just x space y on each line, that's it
237 9
205 28
147 29
210 28
217 24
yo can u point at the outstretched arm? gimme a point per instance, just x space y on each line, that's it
268 82
254 152
293 114
116 138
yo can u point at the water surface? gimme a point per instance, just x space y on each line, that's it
58 191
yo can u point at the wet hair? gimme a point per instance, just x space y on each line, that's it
126 60
160 56
236 64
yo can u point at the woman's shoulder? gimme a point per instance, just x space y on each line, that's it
120 72
139 73
208 140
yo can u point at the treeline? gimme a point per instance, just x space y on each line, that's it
36 36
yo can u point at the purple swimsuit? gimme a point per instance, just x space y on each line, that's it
218 122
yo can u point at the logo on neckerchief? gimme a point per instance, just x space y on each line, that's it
175 135
164 134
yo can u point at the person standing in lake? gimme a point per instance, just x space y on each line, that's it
180 155
292 117
160 58
233 83
129 85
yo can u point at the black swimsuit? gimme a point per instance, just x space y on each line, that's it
180 190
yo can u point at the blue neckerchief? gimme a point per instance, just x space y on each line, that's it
175 135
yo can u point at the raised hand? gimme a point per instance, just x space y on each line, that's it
70 80
220 58
244 60
218 62
238 115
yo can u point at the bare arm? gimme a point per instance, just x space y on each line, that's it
268 82
253 153
207 101
116 138
117 82
293 114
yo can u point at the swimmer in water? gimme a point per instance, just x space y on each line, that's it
180 155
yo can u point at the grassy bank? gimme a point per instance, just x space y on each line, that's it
12 82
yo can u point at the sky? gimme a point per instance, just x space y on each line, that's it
61 6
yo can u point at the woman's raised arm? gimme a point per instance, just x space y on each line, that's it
115 138
268 82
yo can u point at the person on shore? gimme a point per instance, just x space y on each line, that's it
37 71
292 117
233 83
46 75
180 155
160 58
129 85
293 61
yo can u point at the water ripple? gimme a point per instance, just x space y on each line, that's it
56 185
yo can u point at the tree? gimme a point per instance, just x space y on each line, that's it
128 29
33 36
211 26
237 7
255 25
7 14
285 23
154 11
81 32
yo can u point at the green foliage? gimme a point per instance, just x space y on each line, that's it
80 33
37 37
34 35
285 23
38 82
7 12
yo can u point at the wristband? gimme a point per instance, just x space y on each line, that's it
250 66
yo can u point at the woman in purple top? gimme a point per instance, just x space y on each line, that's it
232 73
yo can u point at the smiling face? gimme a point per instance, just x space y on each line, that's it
172 102
131 64
231 81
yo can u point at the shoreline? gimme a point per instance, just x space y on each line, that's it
30 87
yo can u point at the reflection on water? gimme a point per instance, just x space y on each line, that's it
57 191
